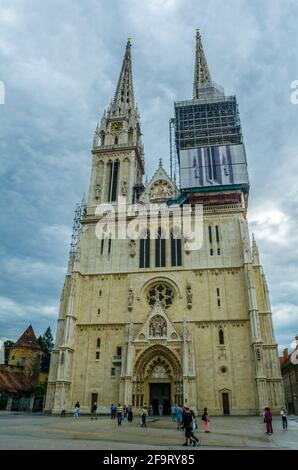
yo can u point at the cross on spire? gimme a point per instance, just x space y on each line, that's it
124 97
202 74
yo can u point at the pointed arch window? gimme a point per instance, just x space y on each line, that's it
221 337
160 250
113 170
145 250
176 250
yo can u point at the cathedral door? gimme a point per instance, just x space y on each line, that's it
225 404
160 394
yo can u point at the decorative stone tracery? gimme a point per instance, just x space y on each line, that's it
158 326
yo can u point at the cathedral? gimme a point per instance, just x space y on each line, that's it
147 319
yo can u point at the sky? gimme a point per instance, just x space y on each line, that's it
59 64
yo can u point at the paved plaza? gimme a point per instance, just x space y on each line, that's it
37 431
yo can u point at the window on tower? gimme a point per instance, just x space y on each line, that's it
113 169
145 250
221 337
160 250
176 252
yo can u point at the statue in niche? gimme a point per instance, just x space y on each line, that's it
130 298
97 191
158 326
189 295
124 188
132 248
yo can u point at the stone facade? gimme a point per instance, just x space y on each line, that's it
197 331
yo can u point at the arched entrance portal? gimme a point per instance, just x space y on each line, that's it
157 379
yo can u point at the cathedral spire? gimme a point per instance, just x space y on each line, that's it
255 251
202 74
123 100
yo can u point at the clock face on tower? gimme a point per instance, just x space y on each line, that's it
116 127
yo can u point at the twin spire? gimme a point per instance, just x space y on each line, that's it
202 74
123 101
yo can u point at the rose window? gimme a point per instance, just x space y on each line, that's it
162 293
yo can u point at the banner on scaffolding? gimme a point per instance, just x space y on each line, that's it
213 166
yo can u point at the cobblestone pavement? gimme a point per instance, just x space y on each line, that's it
37 431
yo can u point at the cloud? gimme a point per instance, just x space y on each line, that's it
15 317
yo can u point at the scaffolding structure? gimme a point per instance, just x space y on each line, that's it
208 121
80 212
174 164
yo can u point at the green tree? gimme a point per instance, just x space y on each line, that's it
46 343
7 345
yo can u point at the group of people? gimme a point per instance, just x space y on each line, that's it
186 419
268 420
121 413
182 415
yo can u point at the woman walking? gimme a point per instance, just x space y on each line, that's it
189 425
283 415
268 421
178 416
206 420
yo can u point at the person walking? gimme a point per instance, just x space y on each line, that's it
113 411
173 412
77 410
178 416
94 410
129 414
63 412
119 412
268 421
144 414
150 410
284 419
206 420
194 421
188 425
160 410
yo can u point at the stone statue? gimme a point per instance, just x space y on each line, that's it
158 326
124 188
132 248
97 191
130 298
189 295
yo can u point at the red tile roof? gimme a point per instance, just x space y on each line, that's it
27 340
13 382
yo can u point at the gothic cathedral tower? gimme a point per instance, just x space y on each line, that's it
149 320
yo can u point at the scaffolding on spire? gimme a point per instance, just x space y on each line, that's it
80 212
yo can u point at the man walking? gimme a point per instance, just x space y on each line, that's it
160 410
144 415
119 412
93 410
